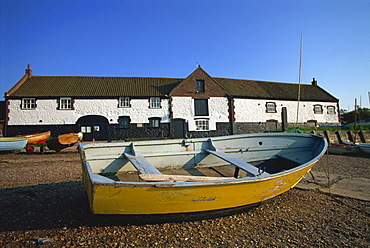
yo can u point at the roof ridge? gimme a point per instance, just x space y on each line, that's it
105 77
260 81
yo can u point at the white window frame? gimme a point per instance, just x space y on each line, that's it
65 103
202 125
155 102
28 103
331 110
270 107
155 122
124 102
317 109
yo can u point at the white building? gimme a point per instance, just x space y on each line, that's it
117 108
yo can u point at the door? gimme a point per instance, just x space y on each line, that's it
94 127
178 126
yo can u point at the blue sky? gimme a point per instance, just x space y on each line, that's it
257 40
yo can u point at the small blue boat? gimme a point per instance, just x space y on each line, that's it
11 144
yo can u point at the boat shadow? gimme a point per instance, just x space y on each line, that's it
65 205
358 155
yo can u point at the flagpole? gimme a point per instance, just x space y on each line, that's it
299 80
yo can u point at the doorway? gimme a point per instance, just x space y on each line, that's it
94 127
178 127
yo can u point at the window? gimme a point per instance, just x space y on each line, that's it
270 107
201 107
199 85
312 123
124 102
317 109
154 122
271 125
28 103
124 122
331 110
155 102
65 103
202 125
86 129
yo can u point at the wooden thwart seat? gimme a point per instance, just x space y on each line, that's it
238 163
141 164
181 178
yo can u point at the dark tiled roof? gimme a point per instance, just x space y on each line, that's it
272 90
50 86
73 86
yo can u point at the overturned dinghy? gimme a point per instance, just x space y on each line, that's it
195 175
63 141
12 144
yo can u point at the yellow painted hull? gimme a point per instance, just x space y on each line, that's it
162 199
37 137
283 160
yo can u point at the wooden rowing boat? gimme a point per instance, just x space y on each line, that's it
342 149
36 137
63 141
203 175
11 144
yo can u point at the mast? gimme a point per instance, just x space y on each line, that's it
299 80
355 125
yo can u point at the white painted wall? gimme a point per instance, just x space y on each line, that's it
247 110
47 112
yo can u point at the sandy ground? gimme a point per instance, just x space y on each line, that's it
42 199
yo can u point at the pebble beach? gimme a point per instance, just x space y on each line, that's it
43 202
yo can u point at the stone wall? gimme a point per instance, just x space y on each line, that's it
116 133
347 136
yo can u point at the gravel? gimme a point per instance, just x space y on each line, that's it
43 201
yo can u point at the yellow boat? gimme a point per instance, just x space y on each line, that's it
36 137
191 176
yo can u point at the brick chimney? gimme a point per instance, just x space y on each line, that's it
314 82
29 71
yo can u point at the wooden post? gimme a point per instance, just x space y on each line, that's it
284 119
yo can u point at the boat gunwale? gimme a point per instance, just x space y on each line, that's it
94 178
193 140
12 139
12 144
34 134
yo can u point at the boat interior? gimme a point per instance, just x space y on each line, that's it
218 172
195 161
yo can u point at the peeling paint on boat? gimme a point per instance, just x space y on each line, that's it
202 198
